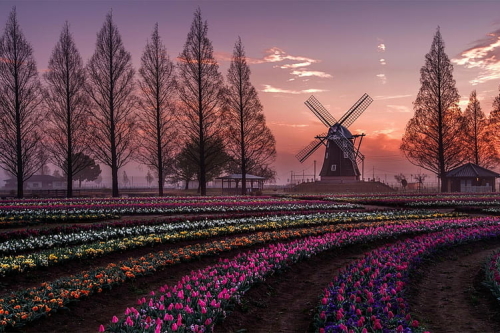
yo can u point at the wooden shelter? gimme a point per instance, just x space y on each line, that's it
471 177
231 183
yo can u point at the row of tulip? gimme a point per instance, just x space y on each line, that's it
492 274
26 305
15 264
131 200
200 299
356 198
422 201
28 219
75 228
61 213
12 245
141 203
368 295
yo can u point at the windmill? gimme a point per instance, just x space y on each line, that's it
342 156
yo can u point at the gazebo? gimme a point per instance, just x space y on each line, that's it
471 177
231 183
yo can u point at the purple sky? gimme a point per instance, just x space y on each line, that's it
336 50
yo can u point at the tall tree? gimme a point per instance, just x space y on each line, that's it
157 125
68 108
478 141
200 90
494 122
433 137
110 86
20 105
250 142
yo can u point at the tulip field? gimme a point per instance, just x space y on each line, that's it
60 256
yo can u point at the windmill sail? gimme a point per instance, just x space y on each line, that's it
319 110
355 111
311 148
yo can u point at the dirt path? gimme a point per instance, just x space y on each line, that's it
287 302
448 295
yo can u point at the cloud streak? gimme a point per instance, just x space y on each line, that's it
297 67
484 56
305 73
382 78
381 98
398 108
270 89
289 125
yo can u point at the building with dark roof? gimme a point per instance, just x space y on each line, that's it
471 177
38 182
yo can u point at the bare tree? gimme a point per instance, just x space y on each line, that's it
494 123
432 139
200 89
478 138
401 178
158 132
110 86
68 108
420 178
249 141
20 105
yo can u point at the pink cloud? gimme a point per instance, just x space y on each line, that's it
484 56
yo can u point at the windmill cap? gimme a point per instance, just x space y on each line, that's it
339 128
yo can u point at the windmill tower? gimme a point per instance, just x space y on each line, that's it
342 155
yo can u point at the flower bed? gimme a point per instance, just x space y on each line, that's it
26 305
416 200
14 264
15 242
492 274
200 299
53 211
368 295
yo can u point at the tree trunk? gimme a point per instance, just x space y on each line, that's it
160 185
114 182
69 186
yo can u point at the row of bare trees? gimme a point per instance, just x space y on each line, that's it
440 137
177 119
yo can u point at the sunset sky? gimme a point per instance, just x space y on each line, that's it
335 50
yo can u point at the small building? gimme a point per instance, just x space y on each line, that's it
231 184
471 177
38 182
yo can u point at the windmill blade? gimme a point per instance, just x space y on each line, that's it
319 110
311 148
355 111
359 157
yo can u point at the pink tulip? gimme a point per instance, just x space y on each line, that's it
129 321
